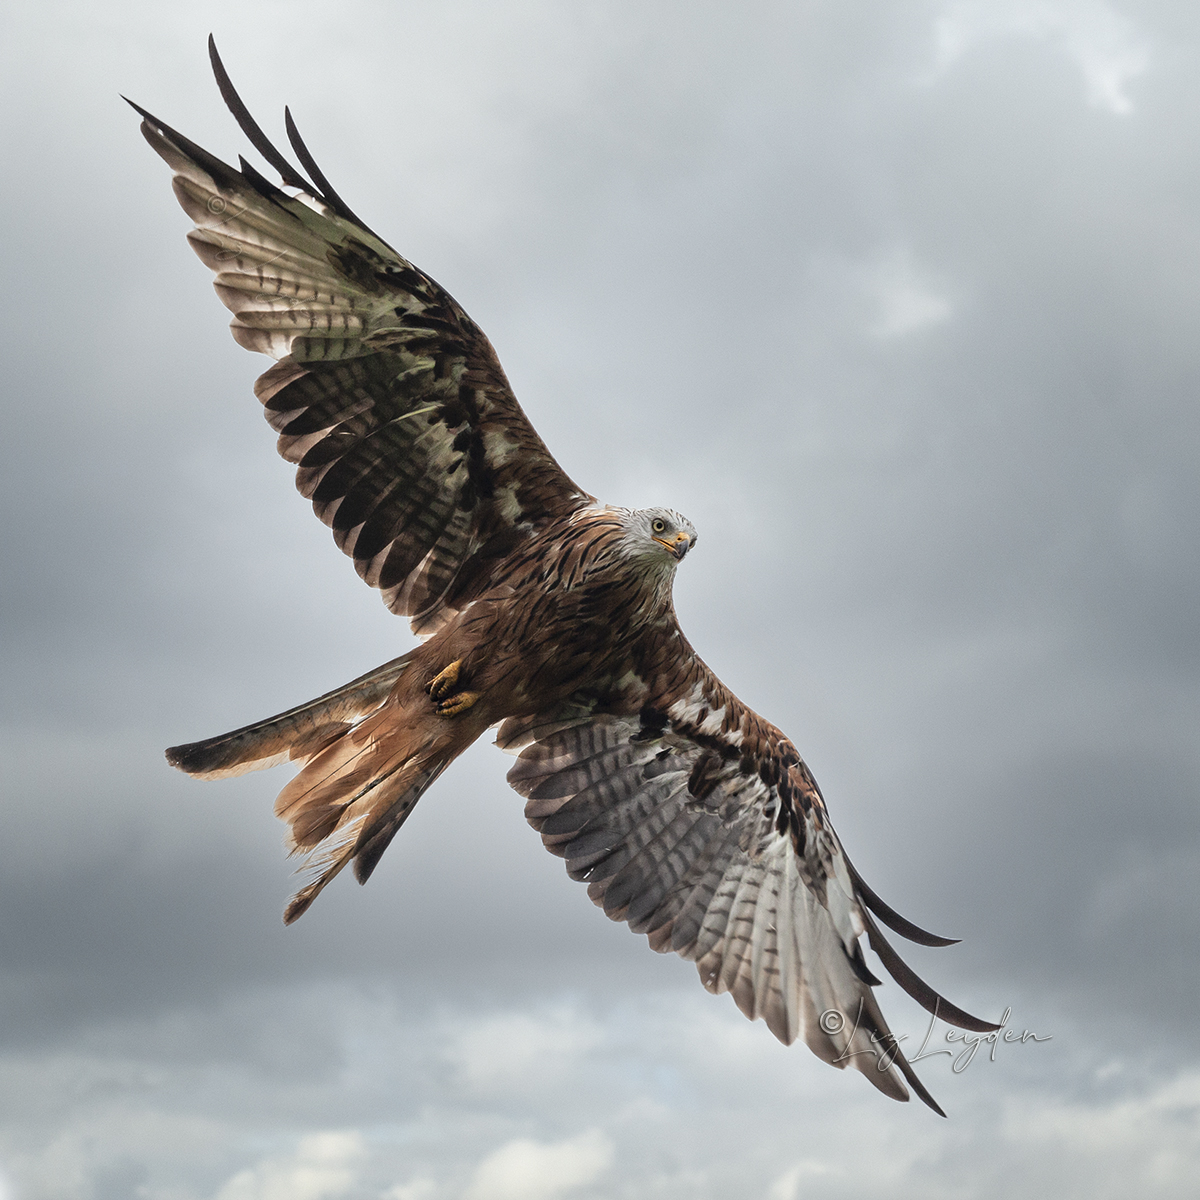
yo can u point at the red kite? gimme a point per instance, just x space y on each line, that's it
543 611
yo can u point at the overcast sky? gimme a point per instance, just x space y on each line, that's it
899 303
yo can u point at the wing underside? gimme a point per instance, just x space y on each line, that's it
387 397
695 850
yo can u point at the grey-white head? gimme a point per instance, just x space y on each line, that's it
657 537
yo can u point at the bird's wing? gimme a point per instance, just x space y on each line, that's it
387 396
696 822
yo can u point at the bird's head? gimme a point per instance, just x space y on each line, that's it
660 536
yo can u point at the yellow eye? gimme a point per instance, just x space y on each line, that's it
659 525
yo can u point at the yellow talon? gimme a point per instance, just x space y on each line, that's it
442 684
457 703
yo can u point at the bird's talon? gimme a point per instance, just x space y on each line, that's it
442 684
457 703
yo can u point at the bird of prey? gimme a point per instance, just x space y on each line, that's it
542 611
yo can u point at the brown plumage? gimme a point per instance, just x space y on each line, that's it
543 612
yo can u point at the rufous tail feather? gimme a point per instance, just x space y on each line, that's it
295 735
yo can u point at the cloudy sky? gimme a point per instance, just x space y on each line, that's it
899 302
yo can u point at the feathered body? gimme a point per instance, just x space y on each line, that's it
542 611
576 612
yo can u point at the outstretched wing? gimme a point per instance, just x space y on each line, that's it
696 822
388 398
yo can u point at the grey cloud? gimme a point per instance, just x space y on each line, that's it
898 304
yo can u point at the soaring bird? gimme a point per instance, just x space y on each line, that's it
542 610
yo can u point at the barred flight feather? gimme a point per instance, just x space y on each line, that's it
387 396
717 882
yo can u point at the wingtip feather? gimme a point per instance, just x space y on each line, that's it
933 1002
890 917
250 127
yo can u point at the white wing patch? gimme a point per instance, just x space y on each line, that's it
693 712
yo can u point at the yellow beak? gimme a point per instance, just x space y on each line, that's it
678 546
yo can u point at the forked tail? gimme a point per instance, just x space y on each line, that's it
368 752
295 735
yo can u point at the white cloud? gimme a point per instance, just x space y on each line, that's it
512 1047
1102 43
323 1166
1147 1143
906 299
422 1188
789 1185
527 1170
786 1187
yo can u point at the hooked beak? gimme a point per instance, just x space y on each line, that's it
678 546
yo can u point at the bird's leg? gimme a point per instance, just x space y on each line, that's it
446 700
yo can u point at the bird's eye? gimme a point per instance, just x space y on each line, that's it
659 525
